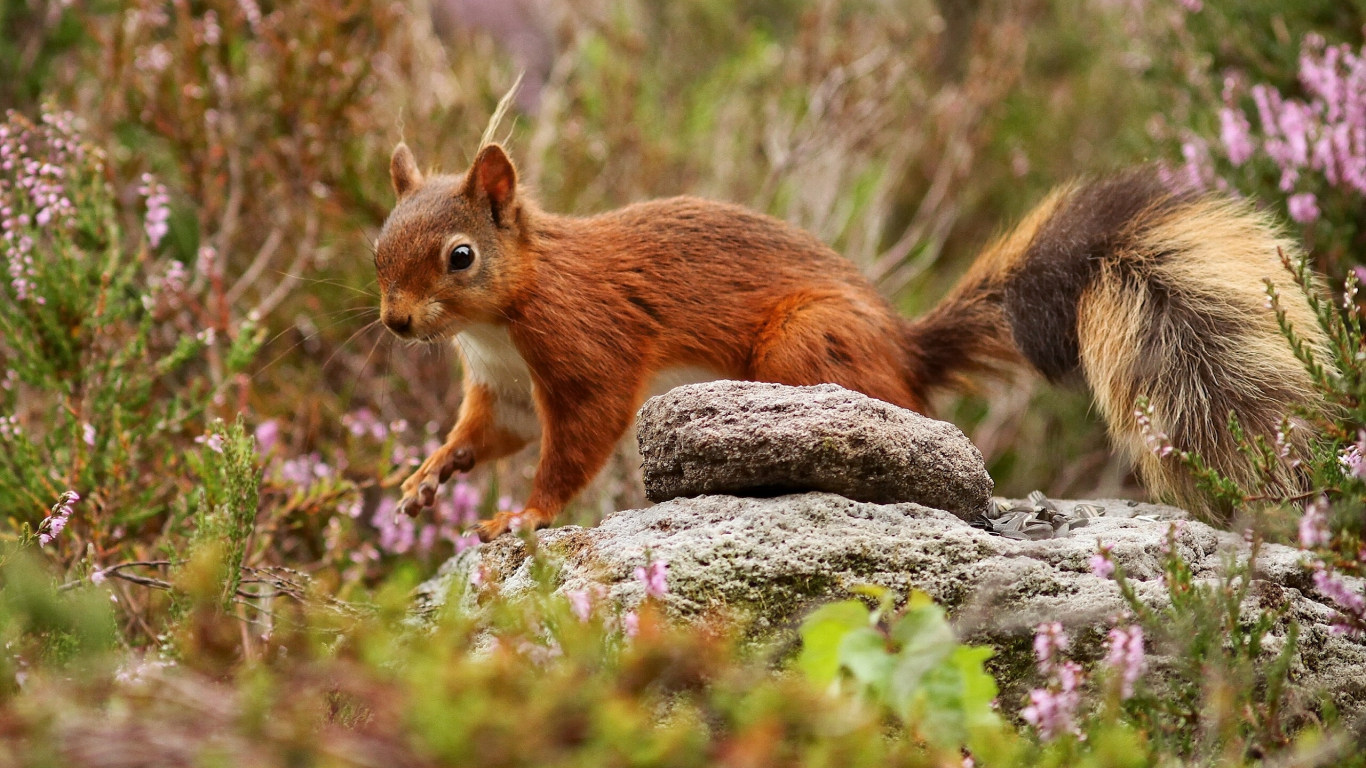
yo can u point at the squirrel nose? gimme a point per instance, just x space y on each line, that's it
399 325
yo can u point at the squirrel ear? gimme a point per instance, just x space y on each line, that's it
403 171
494 175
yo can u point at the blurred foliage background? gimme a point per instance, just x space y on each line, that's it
202 427
906 134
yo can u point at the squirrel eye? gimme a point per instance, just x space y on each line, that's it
462 256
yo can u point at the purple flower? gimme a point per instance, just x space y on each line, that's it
426 539
465 499
1304 207
88 434
1101 564
1351 457
175 279
55 522
1053 709
1314 524
630 623
97 577
396 532
1192 6
304 471
214 441
156 223
580 603
655 578
1236 135
267 434
1157 441
363 422
1049 639
1125 656
253 13
1351 606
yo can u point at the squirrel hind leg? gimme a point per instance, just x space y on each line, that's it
829 340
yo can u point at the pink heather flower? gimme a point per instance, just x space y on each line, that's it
655 578
253 13
363 422
1157 441
267 434
52 525
1053 709
1101 566
1192 6
1236 135
1304 207
1049 638
97 578
426 539
1174 529
465 499
1351 458
1351 605
1314 524
175 279
1125 656
630 624
580 603
156 223
214 442
304 471
205 259
396 532
88 434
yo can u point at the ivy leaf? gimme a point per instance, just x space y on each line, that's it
926 641
823 632
863 652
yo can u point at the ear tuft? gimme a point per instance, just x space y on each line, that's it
494 175
403 171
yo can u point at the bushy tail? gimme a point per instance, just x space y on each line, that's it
1139 292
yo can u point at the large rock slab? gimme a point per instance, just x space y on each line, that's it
747 438
772 560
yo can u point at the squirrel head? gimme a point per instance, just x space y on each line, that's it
448 252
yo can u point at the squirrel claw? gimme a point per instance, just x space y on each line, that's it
503 522
419 490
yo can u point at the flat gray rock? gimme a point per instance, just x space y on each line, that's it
752 439
772 560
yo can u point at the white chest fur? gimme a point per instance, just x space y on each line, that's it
492 360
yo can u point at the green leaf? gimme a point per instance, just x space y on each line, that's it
979 687
926 639
822 633
863 652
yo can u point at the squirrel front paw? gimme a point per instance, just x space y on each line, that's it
419 490
502 522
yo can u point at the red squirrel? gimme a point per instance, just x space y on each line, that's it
565 323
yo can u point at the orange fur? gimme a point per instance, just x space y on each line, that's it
565 322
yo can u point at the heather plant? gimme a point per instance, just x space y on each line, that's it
238 588
910 661
89 374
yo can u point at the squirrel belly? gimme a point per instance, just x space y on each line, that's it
566 324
